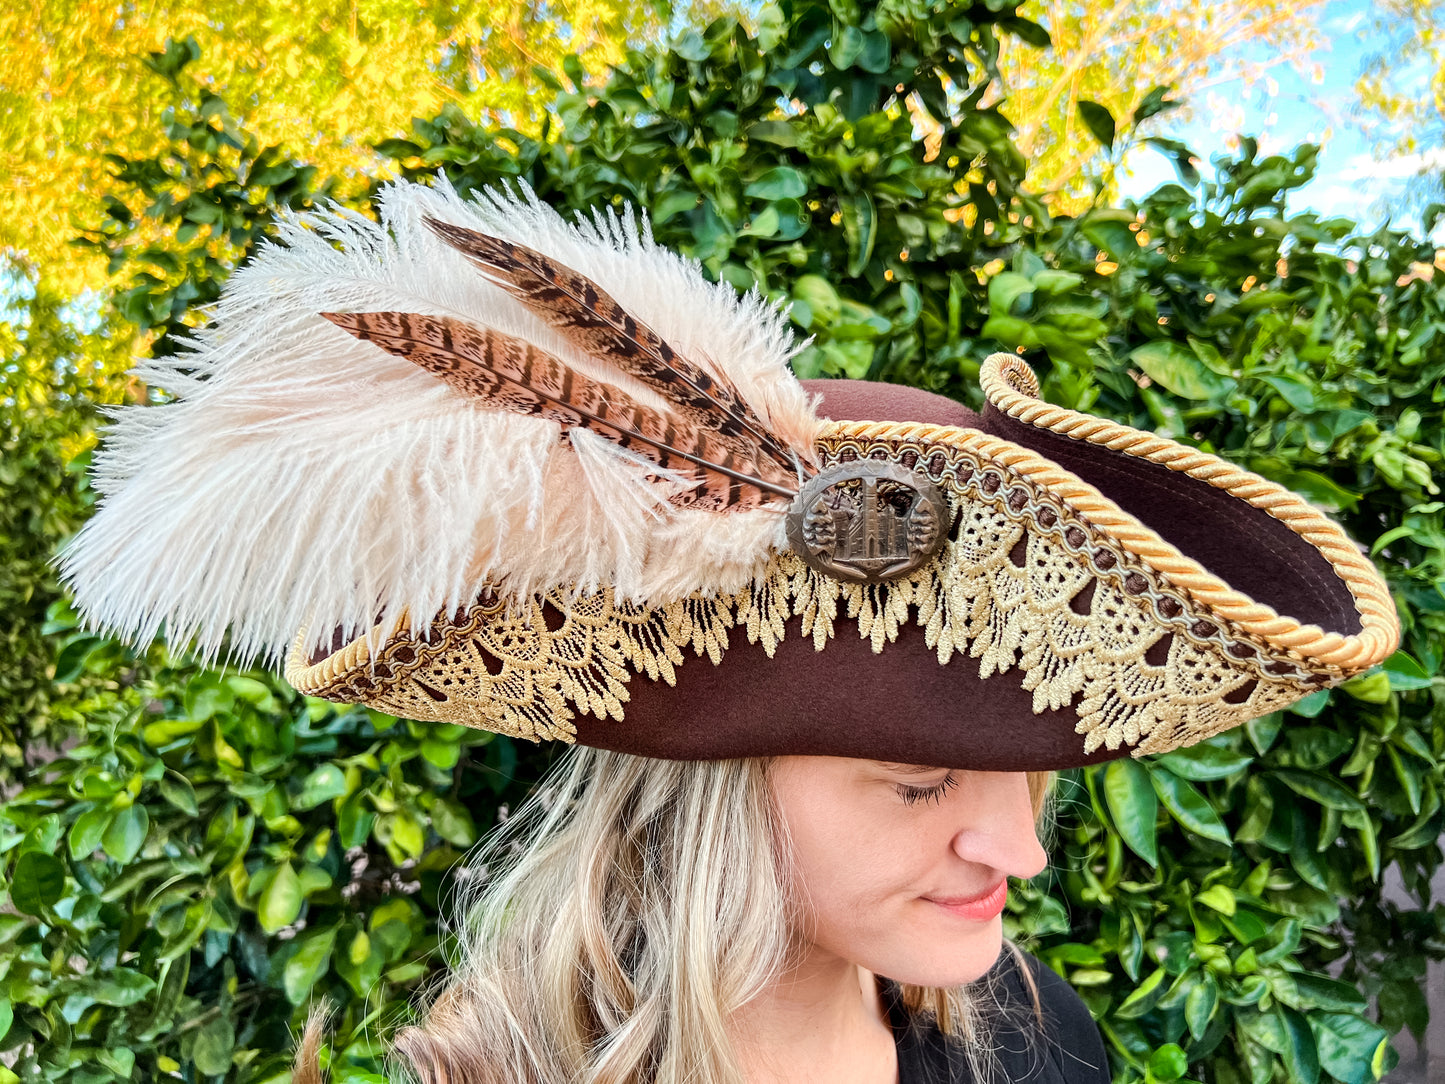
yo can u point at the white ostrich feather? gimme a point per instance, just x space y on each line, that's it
304 478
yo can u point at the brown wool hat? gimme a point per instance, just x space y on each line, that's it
683 552
1099 634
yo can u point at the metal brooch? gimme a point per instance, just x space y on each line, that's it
867 521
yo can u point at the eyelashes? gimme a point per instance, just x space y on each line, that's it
935 793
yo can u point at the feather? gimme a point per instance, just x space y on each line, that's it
300 477
589 317
507 372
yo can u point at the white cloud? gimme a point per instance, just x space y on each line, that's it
1345 24
1364 167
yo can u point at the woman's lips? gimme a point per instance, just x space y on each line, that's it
980 908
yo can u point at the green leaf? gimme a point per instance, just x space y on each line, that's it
772 28
1004 289
1300 1055
37 883
206 697
1246 927
164 731
324 782
214 1043
1099 121
1154 103
1320 788
1174 367
453 822
1199 1005
360 950
125 833
312 879
307 964
1052 283
1209 354
1302 990
1133 806
441 751
120 1060
70 663
1073 954
7 1016
1372 688
119 987
673 204
1188 806
1310 706
177 790
860 228
1010 332
1218 897
1408 775
408 834
85 833
281 902
821 298
780 133
847 47
1168 1062
1027 30
1144 997
780 182
876 55
1294 391
1263 731
1349 1046
576 74
252 691
1204 762
1405 673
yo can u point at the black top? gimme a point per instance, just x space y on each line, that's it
1067 1049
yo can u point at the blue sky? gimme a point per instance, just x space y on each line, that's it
1350 180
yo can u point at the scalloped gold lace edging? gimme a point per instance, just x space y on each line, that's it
1144 664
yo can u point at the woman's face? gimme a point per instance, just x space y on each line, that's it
901 869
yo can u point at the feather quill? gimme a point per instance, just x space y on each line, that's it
587 315
513 374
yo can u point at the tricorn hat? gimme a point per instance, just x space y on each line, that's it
475 464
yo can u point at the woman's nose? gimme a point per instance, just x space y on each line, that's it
1001 830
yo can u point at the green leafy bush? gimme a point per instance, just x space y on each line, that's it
212 849
60 362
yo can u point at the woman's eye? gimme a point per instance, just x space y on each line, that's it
910 794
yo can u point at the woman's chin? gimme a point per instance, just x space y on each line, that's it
950 960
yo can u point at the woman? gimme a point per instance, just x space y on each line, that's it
582 962
593 467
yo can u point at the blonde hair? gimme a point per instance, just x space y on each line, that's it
611 928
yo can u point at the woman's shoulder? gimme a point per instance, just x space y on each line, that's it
1034 1027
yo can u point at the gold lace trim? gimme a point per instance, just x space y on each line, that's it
1143 662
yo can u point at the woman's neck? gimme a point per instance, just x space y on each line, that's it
823 1020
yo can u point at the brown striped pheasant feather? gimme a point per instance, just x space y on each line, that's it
597 325
507 372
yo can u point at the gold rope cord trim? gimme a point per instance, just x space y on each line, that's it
1144 663
1011 386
